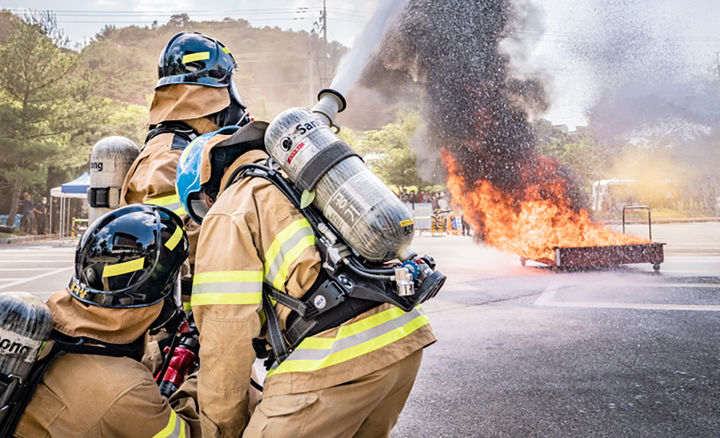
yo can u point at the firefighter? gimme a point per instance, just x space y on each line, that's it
195 94
127 269
351 380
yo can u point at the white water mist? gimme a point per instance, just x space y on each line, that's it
354 62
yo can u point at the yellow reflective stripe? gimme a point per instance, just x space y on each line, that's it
123 268
317 343
290 257
174 239
174 429
228 277
351 352
171 202
285 249
227 287
199 56
225 298
281 238
226 50
163 201
186 306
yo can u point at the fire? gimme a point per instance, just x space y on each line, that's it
532 226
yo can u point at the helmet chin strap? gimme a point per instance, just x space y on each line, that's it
171 314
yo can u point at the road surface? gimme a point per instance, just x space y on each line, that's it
530 352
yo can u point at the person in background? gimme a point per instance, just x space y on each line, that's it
443 203
28 209
41 213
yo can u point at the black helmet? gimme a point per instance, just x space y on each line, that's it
130 257
194 58
197 59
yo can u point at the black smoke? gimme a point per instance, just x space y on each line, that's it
474 107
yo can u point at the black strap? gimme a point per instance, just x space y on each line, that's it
322 162
184 133
274 331
286 300
83 345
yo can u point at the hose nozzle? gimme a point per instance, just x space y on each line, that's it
330 102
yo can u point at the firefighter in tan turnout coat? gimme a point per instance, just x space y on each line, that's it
352 380
194 95
122 287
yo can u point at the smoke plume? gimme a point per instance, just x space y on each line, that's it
476 111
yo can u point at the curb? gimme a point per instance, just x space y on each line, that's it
13 240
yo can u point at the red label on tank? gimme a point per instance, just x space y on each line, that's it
294 152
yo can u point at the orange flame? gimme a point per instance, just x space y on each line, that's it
531 227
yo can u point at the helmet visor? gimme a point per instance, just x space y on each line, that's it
199 204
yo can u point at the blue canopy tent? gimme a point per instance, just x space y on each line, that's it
75 189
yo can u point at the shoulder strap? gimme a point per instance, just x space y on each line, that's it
184 134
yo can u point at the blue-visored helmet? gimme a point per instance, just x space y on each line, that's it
191 175
194 58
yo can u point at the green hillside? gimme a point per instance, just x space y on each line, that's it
273 65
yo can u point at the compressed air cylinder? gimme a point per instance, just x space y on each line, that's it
110 161
363 209
25 323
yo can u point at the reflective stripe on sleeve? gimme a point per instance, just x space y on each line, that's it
174 429
171 202
285 249
227 287
353 340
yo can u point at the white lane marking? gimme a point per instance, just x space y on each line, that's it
634 306
678 285
63 260
25 280
546 299
23 269
37 250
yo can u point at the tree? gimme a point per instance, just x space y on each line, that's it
387 152
46 104
179 20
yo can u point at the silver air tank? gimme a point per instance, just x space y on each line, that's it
25 323
365 211
110 161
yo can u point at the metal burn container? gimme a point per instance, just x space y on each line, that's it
589 257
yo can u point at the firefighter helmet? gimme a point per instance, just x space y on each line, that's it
130 257
196 59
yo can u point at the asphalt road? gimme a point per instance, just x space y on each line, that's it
530 352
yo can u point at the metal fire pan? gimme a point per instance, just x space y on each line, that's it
613 255
604 256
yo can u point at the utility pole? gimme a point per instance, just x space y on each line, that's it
323 21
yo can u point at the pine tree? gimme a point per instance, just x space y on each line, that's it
47 106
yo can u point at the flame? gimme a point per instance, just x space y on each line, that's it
532 226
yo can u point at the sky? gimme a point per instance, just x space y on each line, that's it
553 42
